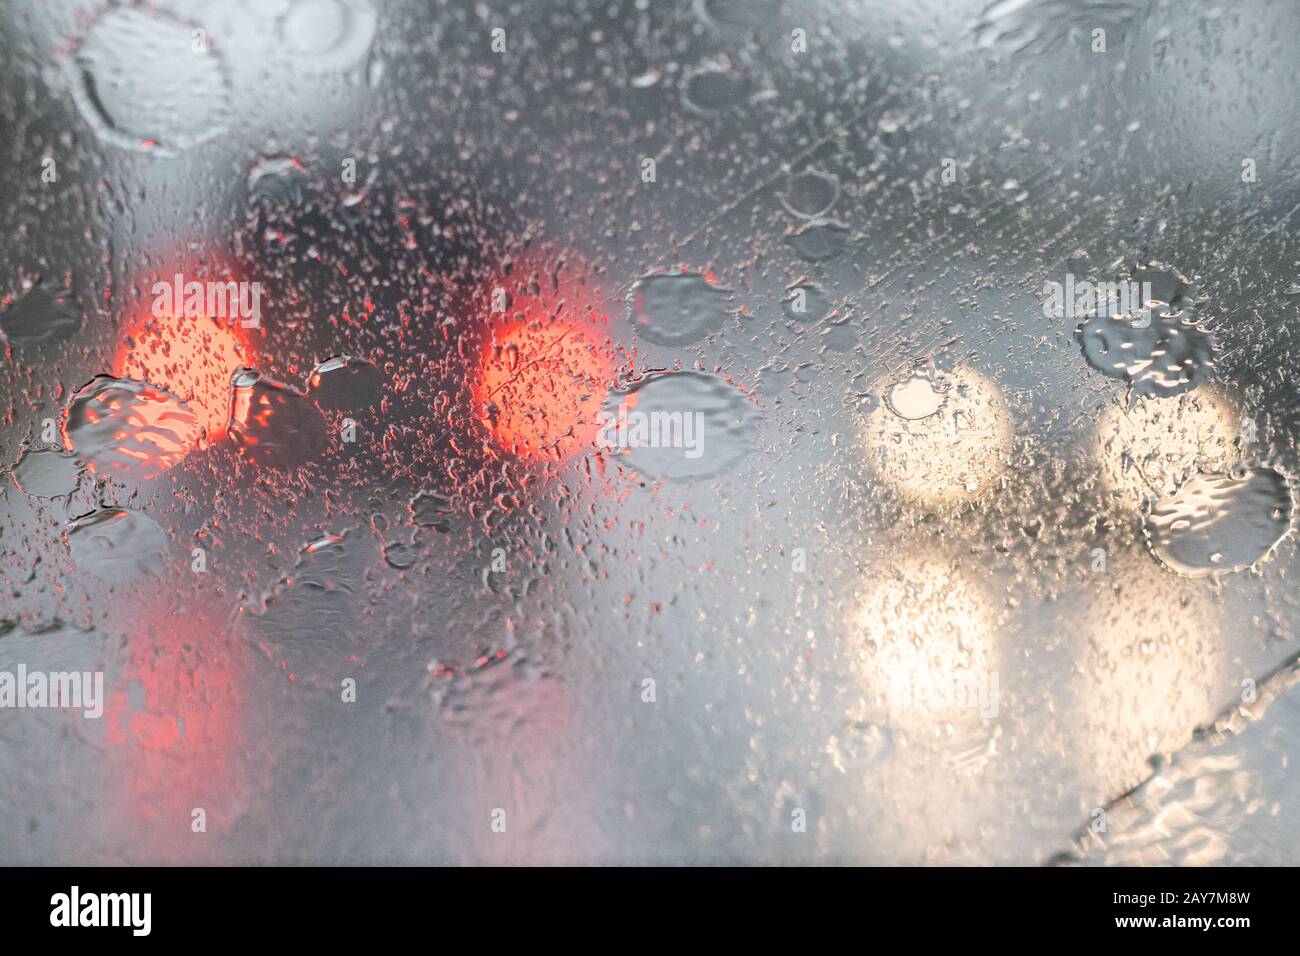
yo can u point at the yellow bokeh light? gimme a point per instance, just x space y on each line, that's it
922 728
925 640
1148 450
938 439
1150 670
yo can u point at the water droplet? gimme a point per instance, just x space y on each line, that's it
917 397
676 308
861 746
315 609
712 89
328 35
331 543
279 178
819 240
1167 357
346 383
117 545
40 315
47 473
811 194
643 81
839 335
680 425
431 510
1158 348
274 424
399 555
141 85
1220 523
129 428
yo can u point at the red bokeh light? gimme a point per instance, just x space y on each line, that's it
544 371
189 356
193 357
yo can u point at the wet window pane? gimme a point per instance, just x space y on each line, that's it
649 432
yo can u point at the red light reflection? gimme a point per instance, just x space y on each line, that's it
542 377
193 357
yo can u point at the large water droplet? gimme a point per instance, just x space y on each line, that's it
680 425
273 424
47 473
676 308
128 428
117 545
344 383
1220 523
328 35
400 554
1156 345
142 84
1167 357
